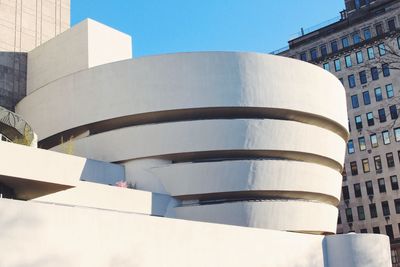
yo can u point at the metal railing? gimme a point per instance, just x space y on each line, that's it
15 128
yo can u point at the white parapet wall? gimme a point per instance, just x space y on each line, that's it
40 235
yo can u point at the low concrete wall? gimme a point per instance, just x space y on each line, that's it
40 235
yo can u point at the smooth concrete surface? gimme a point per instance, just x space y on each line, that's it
213 135
358 250
265 176
176 82
100 196
278 214
84 46
47 172
90 237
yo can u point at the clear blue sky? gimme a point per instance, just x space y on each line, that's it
167 26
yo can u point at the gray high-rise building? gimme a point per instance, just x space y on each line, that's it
362 49
25 25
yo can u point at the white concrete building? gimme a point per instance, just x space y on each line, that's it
233 160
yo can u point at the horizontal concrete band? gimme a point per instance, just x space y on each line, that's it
195 114
308 142
251 178
181 82
287 215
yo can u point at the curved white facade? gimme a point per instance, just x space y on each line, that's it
236 138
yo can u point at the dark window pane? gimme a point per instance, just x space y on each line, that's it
395 184
385 70
391 25
385 208
381 185
314 54
370 188
378 163
374 73
358 121
357 190
360 213
323 49
353 168
389 231
366 97
345 192
352 81
393 112
334 46
382 49
349 215
379 29
370 119
359 57
354 101
363 77
303 56
382 115
390 159
367 34
376 230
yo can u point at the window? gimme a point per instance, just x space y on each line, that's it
303 56
341 81
370 119
385 70
339 220
395 183
352 81
334 46
389 90
363 77
357 190
374 140
337 65
353 167
385 208
385 137
379 29
359 57
382 115
354 101
327 66
393 112
358 122
366 98
391 25
344 174
390 160
363 231
323 49
381 49
345 42
397 134
398 42
370 188
349 215
345 192
314 53
361 143
374 73
367 34
357 4
378 163
350 147
365 164
389 231
360 212
378 94
356 38
397 205
370 52
376 230
381 185
348 62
